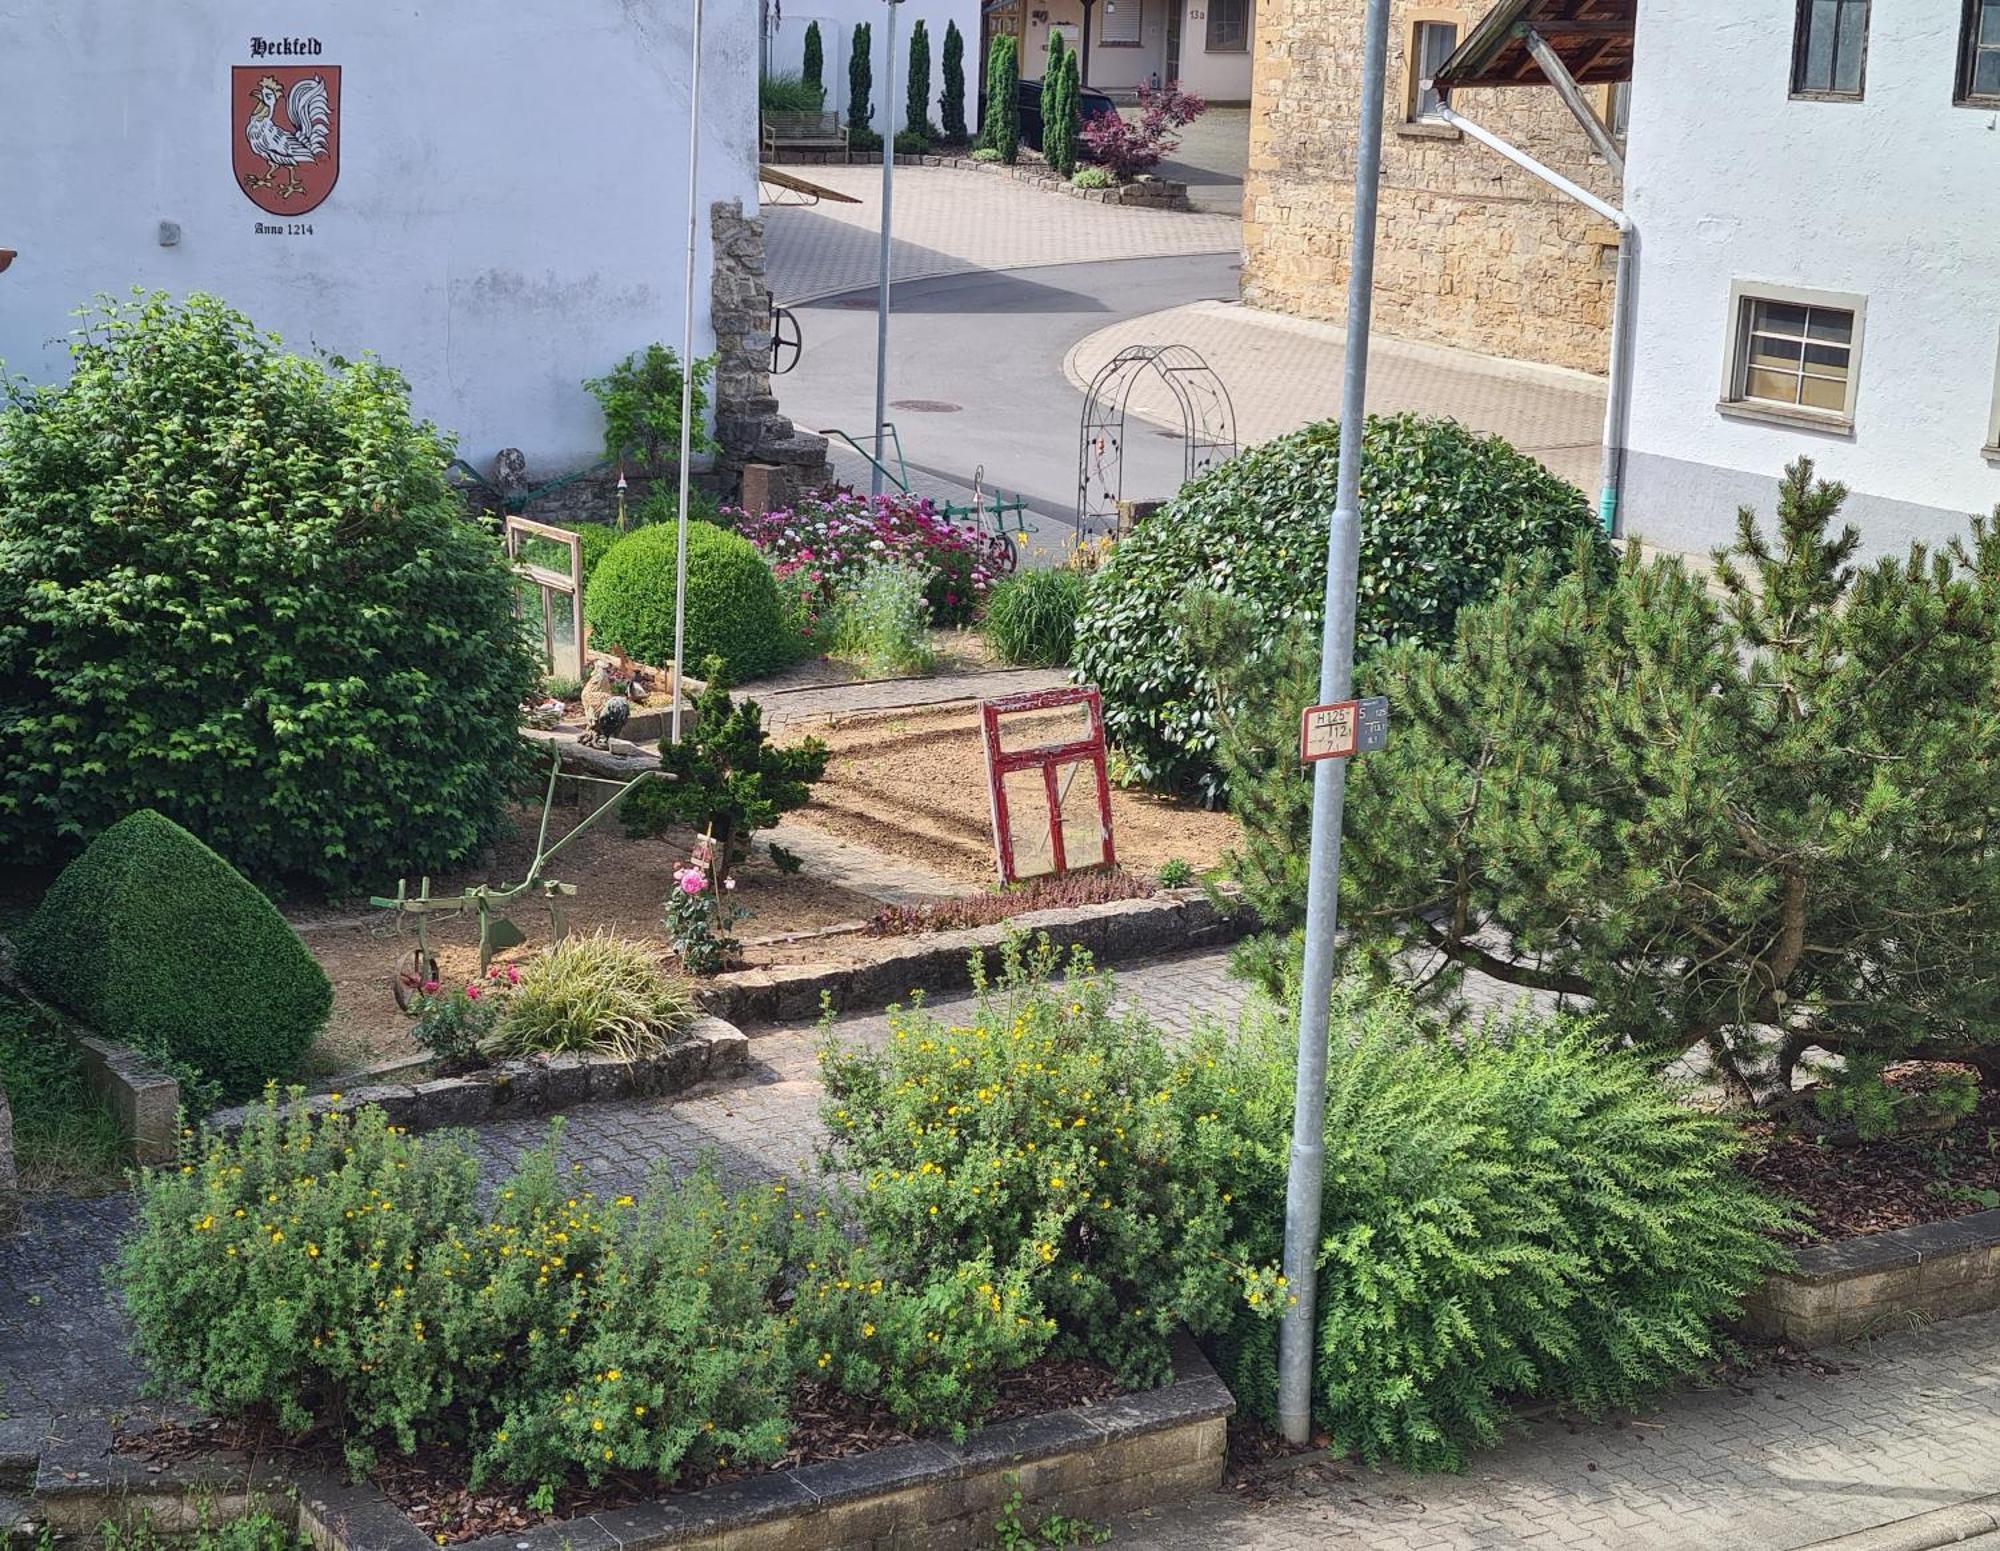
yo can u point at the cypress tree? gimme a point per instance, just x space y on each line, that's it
814 68
1001 129
1052 74
1061 105
917 104
952 106
860 78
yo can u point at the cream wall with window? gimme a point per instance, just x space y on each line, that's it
1819 224
1217 41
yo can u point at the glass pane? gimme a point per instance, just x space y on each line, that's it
1986 73
1768 351
1989 23
1821 20
1853 39
1778 317
1829 323
1824 393
1439 40
1779 387
1827 359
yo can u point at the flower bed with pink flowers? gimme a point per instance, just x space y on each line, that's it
819 546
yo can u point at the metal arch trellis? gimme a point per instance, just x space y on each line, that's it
1208 426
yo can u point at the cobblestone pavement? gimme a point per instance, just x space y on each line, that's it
950 221
1783 1459
1777 1459
1213 155
1283 372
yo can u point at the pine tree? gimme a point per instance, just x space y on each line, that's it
1052 86
1001 129
1774 811
814 68
860 78
951 107
917 101
1061 111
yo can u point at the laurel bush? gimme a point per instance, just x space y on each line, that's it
235 587
733 611
1442 511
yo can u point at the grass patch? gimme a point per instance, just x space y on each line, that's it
66 1140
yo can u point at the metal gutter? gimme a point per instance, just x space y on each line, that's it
1618 398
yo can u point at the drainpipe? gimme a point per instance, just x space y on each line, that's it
1620 393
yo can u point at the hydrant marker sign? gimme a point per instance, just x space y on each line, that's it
1343 728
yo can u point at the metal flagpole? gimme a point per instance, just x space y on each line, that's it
687 369
1336 672
882 277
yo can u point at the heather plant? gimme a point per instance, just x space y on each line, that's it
1516 1214
882 621
236 588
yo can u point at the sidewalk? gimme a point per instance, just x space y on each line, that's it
1284 372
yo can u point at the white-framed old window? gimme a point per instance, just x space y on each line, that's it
1431 44
1794 355
1228 26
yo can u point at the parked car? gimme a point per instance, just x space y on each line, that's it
1090 104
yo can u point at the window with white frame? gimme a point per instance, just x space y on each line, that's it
1228 26
1794 352
1979 55
1118 23
1431 44
1830 49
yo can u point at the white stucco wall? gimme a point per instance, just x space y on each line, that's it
510 215
1895 198
836 20
1221 77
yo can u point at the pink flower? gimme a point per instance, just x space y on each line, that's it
692 882
513 976
729 883
429 988
472 992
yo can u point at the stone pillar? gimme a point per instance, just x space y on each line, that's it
747 422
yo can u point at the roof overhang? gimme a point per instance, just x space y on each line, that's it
1593 38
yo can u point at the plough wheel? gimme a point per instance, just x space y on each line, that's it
405 983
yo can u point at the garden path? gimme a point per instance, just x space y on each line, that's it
1775 1458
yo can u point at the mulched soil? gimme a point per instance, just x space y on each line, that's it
1869 1187
430 1488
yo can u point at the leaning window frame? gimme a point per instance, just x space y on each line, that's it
1801 12
1735 357
1962 94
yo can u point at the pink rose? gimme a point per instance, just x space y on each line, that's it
429 988
692 882
472 992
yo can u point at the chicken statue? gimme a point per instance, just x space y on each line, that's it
605 711
312 116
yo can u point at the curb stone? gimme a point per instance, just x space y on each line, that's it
1922 1532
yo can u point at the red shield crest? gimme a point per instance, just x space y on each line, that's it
284 134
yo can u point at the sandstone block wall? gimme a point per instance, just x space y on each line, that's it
1471 251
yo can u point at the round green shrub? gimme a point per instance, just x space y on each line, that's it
1031 617
159 943
235 587
733 609
1442 512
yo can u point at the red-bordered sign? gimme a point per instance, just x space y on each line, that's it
284 134
1343 728
1049 759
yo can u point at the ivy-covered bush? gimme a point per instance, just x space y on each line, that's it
1516 1215
235 587
159 943
1442 511
733 609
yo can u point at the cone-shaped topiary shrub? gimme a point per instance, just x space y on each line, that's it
159 943
733 609
1443 509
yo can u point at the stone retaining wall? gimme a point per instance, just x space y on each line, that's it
1881 1282
535 1086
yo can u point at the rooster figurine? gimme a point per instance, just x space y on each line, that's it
311 114
605 712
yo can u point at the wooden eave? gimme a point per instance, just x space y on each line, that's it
1593 38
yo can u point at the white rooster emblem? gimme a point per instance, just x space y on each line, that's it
311 115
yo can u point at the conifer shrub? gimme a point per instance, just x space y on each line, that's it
159 943
1514 1215
1000 130
951 103
860 82
812 68
733 611
917 86
236 587
1443 510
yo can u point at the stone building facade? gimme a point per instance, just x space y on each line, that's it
1471 251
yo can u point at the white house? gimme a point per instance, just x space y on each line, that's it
785 28
492 199
1205 45
1816 188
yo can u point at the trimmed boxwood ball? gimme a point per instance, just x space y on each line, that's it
733 609
236 587
1443 510
159 943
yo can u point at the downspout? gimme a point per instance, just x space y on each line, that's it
1613 467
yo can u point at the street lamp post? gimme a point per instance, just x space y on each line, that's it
1296 1337
882 270
687 373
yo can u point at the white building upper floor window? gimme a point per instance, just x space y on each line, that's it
1793 355
1431 44
1979 55
1228 26
1830 49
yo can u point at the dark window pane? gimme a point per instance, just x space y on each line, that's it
1766 351
1780 317
1821 20
1831 324
1986 73
1853 40
1989 23
1827 359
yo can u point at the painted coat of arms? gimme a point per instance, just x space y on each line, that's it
285 134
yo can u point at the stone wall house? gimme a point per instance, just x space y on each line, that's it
1471 251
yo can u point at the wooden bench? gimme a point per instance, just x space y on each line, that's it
803 132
